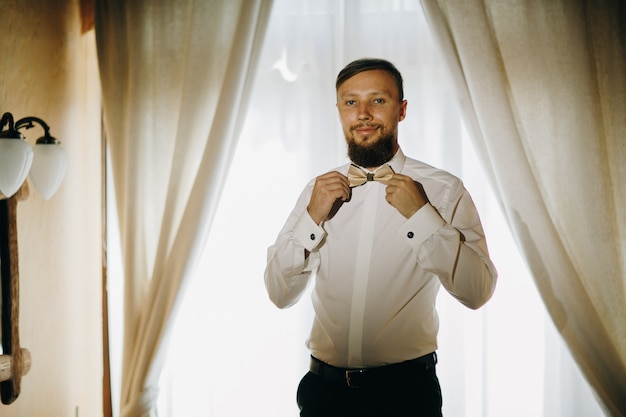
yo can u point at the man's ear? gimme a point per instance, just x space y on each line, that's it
402 114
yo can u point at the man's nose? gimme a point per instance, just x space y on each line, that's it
364 112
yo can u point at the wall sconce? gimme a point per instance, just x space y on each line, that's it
45 165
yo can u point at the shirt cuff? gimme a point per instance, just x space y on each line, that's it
307 232
422 225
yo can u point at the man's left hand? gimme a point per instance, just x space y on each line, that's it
405 195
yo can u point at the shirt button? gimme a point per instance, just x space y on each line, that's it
410 235
312 236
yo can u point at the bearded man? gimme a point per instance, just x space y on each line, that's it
379 237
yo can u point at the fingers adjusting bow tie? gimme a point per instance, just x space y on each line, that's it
359 177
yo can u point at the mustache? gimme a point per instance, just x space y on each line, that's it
366 125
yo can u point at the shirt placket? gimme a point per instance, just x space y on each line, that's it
362 275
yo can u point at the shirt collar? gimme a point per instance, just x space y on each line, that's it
397 162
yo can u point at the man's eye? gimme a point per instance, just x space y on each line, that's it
379 100
350 102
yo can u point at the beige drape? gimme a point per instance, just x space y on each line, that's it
175 79
543 88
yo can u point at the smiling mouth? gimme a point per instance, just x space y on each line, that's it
366 129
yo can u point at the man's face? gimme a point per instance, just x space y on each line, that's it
370 110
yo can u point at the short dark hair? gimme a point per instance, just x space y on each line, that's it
369 64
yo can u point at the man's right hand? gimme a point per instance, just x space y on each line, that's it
328 188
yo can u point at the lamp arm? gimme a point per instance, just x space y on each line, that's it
7 119
27 123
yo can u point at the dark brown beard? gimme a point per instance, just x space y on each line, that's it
374 155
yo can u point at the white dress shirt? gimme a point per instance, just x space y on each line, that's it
377 273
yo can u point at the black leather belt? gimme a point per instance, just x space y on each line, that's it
361 377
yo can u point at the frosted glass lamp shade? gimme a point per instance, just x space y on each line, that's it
16 158
48 168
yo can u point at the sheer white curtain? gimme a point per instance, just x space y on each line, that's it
234 354
545 88
175 80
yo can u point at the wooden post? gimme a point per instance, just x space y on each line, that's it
9 275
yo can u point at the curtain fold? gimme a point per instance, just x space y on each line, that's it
543 92
175 80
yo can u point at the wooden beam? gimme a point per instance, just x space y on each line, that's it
9 275
86 16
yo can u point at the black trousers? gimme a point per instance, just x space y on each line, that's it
411 390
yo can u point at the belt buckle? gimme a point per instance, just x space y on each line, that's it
352 377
